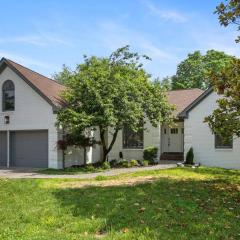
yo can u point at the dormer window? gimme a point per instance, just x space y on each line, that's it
8 96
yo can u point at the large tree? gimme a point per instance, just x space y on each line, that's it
63 75
225 120
109 93
166 83
229 13
193 72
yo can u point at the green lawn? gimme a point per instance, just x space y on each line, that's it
71 170
178 204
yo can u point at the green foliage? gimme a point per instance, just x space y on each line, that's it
190 72
224 120
229 13
106 165
190 157
150 154
101 178
145 163
77 139
134 163
167 83
111 92
193 72
124 163
113 162
90 168
63 76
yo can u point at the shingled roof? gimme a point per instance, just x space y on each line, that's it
50 90
183 98
46 87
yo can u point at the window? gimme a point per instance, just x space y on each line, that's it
131 139
165 131
174 130
8 96
221 143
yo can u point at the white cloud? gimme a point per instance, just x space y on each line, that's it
114 36
26 61
217 39
166 14
41 40
154 51
232 49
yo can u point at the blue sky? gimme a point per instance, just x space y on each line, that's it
46 34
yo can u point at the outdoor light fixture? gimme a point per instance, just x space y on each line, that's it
6 119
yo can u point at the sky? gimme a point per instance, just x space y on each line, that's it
44 35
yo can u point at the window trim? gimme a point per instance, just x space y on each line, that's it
3 99
132 148
174 131
222 147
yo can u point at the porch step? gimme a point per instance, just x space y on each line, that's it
178 156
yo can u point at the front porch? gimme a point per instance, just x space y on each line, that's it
172 142
172 156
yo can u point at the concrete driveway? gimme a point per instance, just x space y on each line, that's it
15 173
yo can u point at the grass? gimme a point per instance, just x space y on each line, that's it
180 203
71 170
77 170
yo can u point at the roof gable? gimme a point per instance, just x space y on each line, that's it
185 112
47 88
182 98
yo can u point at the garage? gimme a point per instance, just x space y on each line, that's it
29 149
3 149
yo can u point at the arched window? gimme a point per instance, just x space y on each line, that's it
8 96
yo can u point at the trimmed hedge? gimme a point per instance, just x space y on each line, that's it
150 154
190 157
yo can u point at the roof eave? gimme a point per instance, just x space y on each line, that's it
185 112
4 63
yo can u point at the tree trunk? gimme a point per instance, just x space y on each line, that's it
106 149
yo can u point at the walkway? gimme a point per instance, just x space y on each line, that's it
15 173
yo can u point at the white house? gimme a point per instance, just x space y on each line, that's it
208 148
28 134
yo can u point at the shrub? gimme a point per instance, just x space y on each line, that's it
190 157
150 154
134 163
124 163
113 162
145 163
90 168
106 165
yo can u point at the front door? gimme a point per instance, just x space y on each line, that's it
172 139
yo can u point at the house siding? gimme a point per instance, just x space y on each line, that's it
199 136
31 112
75 156
152 136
